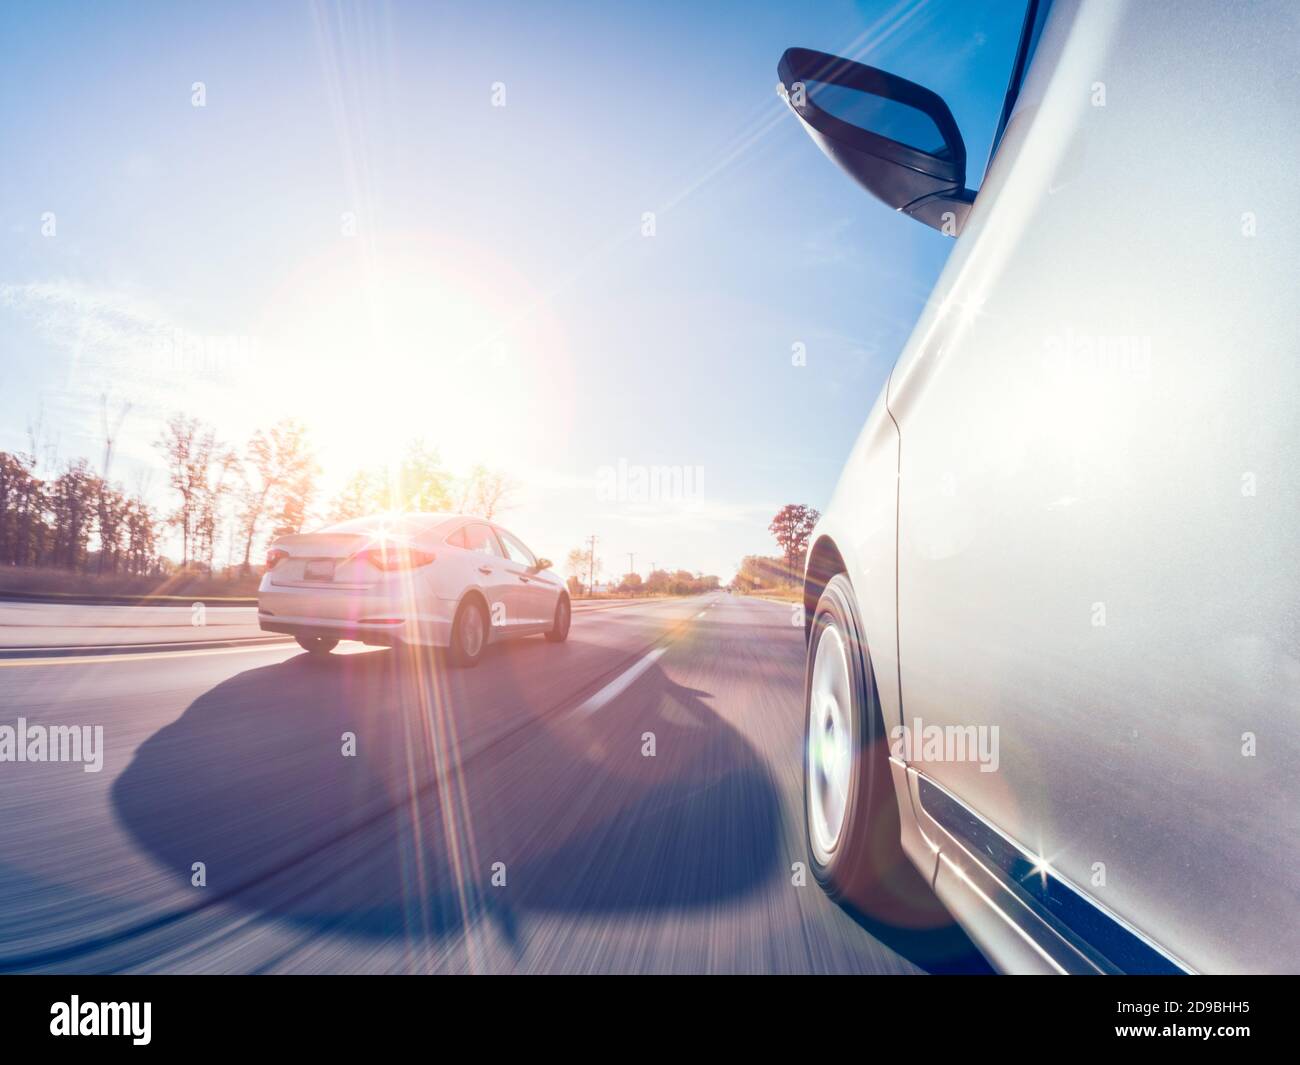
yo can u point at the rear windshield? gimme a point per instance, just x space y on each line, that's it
393 524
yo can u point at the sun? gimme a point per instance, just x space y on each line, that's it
428 340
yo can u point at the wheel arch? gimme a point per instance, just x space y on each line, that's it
824 562
474 594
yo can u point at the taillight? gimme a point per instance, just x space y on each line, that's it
392 558
275 555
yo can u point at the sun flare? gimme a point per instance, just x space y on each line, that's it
435 342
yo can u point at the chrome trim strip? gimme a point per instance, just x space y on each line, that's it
1016 926
1101 936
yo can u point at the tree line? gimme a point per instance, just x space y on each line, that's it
791 528
583 568
242 497
51 522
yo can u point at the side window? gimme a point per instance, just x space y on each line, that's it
964 52
1035 18
457 539
515 549
479 538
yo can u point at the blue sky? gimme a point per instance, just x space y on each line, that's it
490 288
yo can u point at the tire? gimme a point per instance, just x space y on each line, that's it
559 631
471 619
316 646
856 854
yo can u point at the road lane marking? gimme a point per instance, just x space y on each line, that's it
619 684
624 680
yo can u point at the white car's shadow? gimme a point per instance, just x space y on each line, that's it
454 770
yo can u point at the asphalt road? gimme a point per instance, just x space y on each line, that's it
37 626
503 819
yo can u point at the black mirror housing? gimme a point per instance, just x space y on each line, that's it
897 139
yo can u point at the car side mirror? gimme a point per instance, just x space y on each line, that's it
898 140
541 564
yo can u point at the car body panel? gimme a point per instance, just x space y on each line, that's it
481 567
534 596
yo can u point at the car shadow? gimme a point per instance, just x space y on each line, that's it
465 796
945 951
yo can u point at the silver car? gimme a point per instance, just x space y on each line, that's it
431 580
1053 610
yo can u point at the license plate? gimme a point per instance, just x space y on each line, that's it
320 570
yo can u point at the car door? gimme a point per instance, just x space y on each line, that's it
537 593
490 569
1098 477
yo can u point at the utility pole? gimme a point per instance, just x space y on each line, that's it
591 565
631 562
110 435
110 432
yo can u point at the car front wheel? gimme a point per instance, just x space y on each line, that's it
854 835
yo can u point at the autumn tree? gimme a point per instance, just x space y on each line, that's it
22 511
484 493
576 564
357 498
791 527
190 450
420 482
658 581
278 484
72 503
111 527
582 565
218 486
294 503
141 537
417 483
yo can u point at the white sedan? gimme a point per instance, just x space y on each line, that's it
428 580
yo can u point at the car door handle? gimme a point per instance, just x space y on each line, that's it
523 578
485 569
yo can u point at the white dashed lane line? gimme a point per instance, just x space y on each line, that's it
619 684
624 680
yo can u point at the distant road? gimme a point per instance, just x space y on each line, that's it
383 862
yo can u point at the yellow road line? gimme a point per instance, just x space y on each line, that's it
71 660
